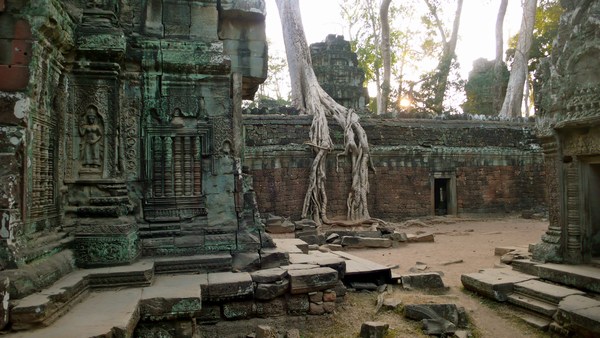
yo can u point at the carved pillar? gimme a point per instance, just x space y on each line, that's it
549 249
98 197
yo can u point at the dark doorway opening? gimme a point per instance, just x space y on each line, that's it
441 196
594 209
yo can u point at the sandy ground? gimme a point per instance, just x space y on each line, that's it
470 243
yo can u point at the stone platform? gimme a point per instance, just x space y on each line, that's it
563 299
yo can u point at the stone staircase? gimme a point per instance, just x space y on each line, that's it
116 301
555 297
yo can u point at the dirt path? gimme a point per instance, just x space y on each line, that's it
471 243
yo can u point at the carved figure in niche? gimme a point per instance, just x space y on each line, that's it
177 120
91 133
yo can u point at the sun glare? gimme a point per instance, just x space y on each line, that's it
405 102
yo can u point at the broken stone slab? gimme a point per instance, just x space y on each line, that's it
313 239
305 223
438 327
246 261
420 238
362 242
373 329
305 281
268 291
399 236
273 257
281 227
494 283
509 257
229 285
545 291
449 312
299 266
391 303
332 238
503 250
429 280
580 313
268 275
171 297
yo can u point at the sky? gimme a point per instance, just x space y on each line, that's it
476 32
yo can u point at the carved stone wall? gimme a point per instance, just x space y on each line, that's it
569 109
497 167
116 126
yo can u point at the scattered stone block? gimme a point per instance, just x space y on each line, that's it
268 275
362 242
335 247
280 227
391 303
315 297
373 329
449 312
316 309
304 281
229 285
273 257
305 223
419 238
340 290
399 236
329 307
430 280
267 291
265 331
313 247
332 238
438 327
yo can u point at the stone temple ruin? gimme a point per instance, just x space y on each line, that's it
126 161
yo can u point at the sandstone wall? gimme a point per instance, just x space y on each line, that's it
497 167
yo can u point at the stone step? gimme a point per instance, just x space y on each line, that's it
43 308
198 263
494 283
550 293
580 314
101 314
541 323
171 297
538 306
583 277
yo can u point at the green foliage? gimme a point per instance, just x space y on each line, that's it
480 86
545 30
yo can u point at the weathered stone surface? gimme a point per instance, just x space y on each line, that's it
304 281
363 242
266 291
438 326
297 304
246 261
268 275
292 333
329 296
494 283
171 297
421 237
210 313
273 308
399 236
239 310
373 329
449 312
430 280
316 309
280 227
581 313
272 258
265 331
391 303
229 285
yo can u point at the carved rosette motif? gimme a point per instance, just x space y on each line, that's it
130 122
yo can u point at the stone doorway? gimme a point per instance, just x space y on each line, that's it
443 194
592 206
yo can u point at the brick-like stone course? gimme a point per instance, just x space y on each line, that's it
498 166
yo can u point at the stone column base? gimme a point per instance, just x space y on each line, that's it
106 245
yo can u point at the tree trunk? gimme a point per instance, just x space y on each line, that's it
448 55
310 98
386 56
497 85
518 71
